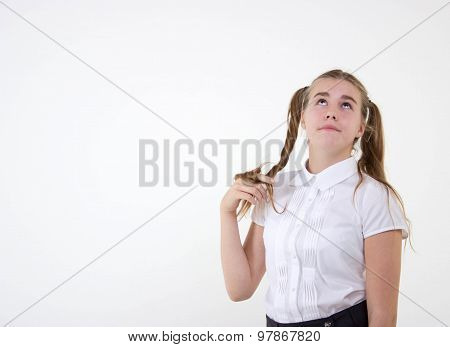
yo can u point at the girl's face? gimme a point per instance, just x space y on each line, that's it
337 104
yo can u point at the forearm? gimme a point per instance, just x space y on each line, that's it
382 319
235 265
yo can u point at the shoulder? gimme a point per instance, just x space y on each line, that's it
371 194
371 188
379 209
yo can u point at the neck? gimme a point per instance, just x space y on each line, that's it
319 161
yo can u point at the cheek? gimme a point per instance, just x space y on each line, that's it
313 117
351 126
315 112
312 125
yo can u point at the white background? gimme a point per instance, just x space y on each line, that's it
69 146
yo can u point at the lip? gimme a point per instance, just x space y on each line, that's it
329 127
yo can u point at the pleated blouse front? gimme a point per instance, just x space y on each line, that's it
315 250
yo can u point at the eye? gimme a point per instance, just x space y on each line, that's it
347 104
344 103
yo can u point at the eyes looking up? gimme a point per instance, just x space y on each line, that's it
344 103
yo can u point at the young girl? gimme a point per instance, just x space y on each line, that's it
333 253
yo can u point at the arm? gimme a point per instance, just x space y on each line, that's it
243 266
235 266
382 254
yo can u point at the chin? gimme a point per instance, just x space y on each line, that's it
326 141
327 145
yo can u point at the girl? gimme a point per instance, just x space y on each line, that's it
339 218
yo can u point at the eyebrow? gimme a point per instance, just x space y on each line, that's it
345 97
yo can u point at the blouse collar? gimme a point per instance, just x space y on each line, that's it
328 177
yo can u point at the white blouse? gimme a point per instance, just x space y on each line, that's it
315 249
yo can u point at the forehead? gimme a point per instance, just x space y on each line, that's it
336 88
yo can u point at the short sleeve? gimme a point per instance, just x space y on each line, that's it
377 215
258 214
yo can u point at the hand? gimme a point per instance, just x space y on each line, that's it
240 190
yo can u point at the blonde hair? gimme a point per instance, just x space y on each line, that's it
371 161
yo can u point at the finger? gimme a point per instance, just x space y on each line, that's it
246 183
262 188
248 197
252 190
258 192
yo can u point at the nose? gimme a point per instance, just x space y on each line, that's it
331 115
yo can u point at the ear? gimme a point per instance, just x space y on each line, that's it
361 130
